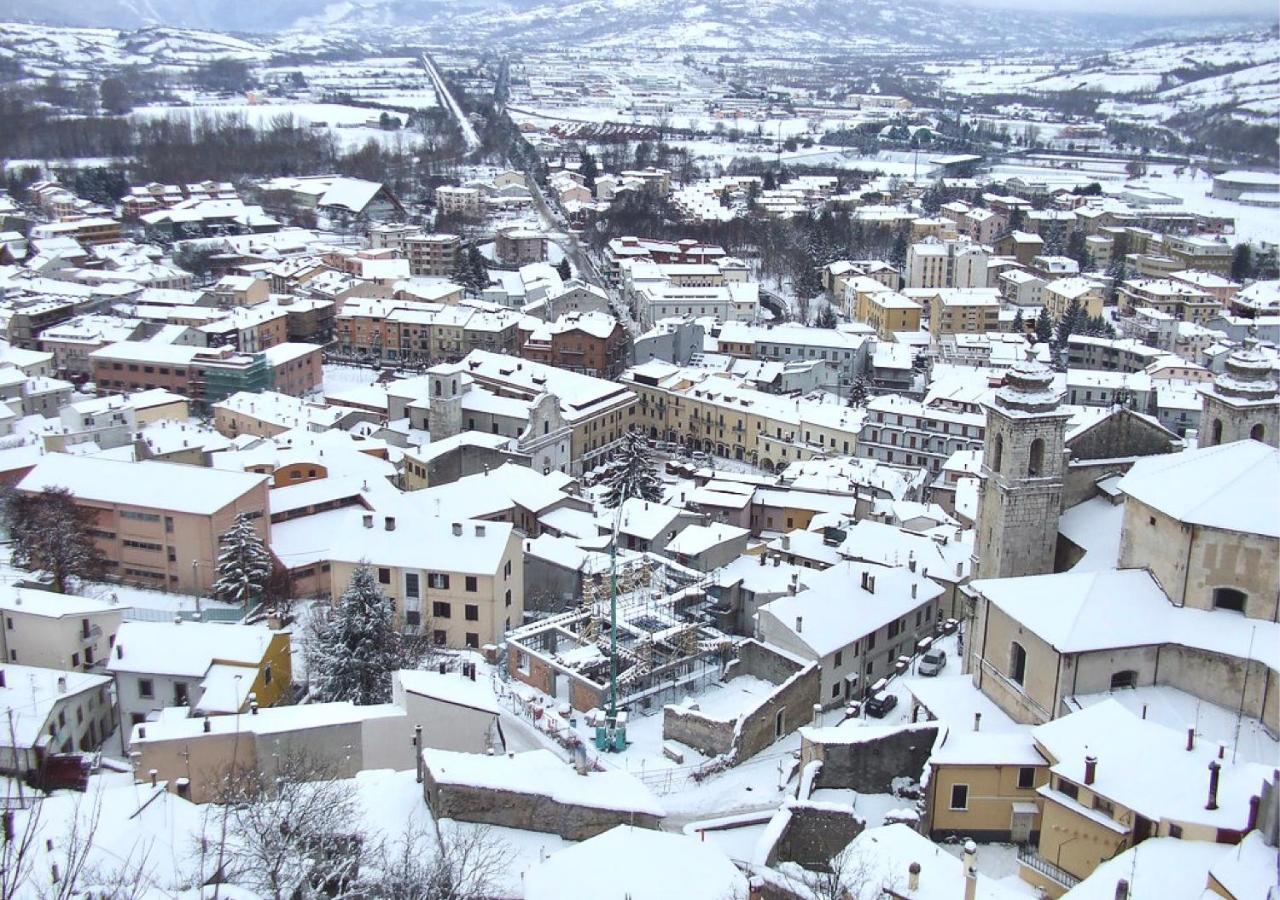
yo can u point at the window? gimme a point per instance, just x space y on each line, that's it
438 581
411 584
1175 831
1126 679
75 660
959 796
839 658
508 597
998 456
1103 805
1069 788
266 675
438 637
1035 465
180 697
871 642
146 689
1229 598
471 612
473 640
1026 777
440 610
384 576
1258 432
835 689
780 724
1017 662
471 584
1217 431
413 618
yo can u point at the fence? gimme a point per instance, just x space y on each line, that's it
216 614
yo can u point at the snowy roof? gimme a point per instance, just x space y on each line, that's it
643 518
625 862
1146 767
187 648
1161 867
697 539
1230 486
836 610
946 556
267 720
953 699
155 485
48 604
542 773
450 687
1079 612
881 856
774 577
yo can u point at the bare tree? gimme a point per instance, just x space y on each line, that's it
467 864
286 832
850 875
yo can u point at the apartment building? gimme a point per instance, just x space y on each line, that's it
961 311
906 432
414 331
721 414
946 264
1111 354
519 246
158 524
269 413
84 230
1184 302
1060 293
56 631
434 255
461 582
459 201
665 252
202 375
888 312
1023 246
591 343
51 711
844 351
1204 254
72 341
1020 287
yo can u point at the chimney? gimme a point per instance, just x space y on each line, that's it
777 561
1214 768
865 576
1191 737
762 559
119 651
1122 890
1222 749
1255 803
417 750
142 732
970 870
977 721
786 542
62 684
154 774
799 624
390 523
911 561
1090 769
913 590
368 521
207 726
913 877
2 684
472 671
457 529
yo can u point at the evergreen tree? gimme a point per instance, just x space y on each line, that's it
898 254
1069 324
1044 327
858 392
244 564
588 169
1078 250
769 182
1242 266
563 269
1019 324
1016 218
51 534
355 647
826 317
630 472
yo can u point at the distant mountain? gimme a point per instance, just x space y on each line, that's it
813 25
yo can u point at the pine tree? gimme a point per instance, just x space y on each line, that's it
563 269
1242 263
588 169
898 253
858 392
1044 327
244 564
355 647
631 473
1071 323
1019 324
826 317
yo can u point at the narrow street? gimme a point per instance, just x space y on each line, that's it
469 136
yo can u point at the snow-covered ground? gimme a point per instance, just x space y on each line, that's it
353 126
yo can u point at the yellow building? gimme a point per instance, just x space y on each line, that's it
983 785
1058 294
888 312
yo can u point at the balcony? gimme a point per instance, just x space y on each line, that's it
1028 857
91 634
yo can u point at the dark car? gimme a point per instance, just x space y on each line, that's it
881 706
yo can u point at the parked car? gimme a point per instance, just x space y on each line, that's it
933 662
881 706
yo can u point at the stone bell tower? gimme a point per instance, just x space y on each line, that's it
1242 402
1023 466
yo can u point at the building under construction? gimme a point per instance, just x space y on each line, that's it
667 644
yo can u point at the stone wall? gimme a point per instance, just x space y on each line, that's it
815 834
756 728
869 766
468 460
1123 434
529 812
1082 477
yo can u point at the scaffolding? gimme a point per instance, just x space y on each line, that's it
667 644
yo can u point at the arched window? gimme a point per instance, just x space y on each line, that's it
1035 464
1229 598
1258 432
1217 432
1126 679
1017 662
998 454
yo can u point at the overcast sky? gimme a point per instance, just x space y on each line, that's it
1146 7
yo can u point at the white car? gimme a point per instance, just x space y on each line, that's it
933 662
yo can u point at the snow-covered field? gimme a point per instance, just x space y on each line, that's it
352 125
